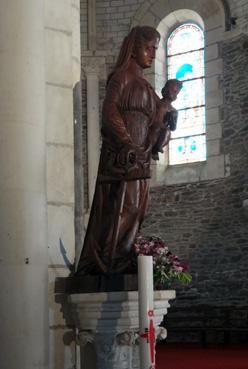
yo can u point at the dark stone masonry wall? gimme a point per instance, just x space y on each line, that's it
205 223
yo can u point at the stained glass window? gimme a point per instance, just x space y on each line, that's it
185 61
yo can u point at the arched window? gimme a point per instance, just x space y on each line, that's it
185 61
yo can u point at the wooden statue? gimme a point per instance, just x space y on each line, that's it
166 115
130 131
169 93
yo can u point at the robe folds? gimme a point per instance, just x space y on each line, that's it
129 133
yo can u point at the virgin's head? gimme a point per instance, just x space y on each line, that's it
146 44
140 44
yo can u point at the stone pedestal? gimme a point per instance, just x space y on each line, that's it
108 326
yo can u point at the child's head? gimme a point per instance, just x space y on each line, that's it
171 89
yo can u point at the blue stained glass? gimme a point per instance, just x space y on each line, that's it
193 146
192 94
187 150
183 70
185 61
186 66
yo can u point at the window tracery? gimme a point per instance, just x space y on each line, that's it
185 61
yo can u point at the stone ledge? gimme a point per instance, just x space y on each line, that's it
114 311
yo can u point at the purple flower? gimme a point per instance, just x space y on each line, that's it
166 265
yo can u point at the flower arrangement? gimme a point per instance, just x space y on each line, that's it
166 266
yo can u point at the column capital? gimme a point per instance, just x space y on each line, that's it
125 337
94 65
84 337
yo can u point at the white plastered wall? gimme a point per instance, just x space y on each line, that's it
62 42
166 15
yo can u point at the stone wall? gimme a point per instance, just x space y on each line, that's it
114 21
84 138
206 223
62 72
239 10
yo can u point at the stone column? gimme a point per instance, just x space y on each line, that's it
78 129
108 327
93 67
23 226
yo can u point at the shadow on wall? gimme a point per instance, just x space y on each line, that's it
67 262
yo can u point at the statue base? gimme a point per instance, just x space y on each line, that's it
97 283
108 327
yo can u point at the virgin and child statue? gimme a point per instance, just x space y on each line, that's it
136 125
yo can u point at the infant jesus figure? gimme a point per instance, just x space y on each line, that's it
167 115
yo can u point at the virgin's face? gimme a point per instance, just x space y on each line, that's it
145 53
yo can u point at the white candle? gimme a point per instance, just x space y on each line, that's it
146 313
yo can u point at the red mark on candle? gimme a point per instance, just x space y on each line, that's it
152 341
150 313
150 337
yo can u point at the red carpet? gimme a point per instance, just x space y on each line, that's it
183 356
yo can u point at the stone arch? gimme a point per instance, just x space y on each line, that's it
213 16
152 12
171 21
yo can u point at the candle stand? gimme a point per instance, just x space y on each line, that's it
107 326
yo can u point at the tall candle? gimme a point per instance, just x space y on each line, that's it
146 313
